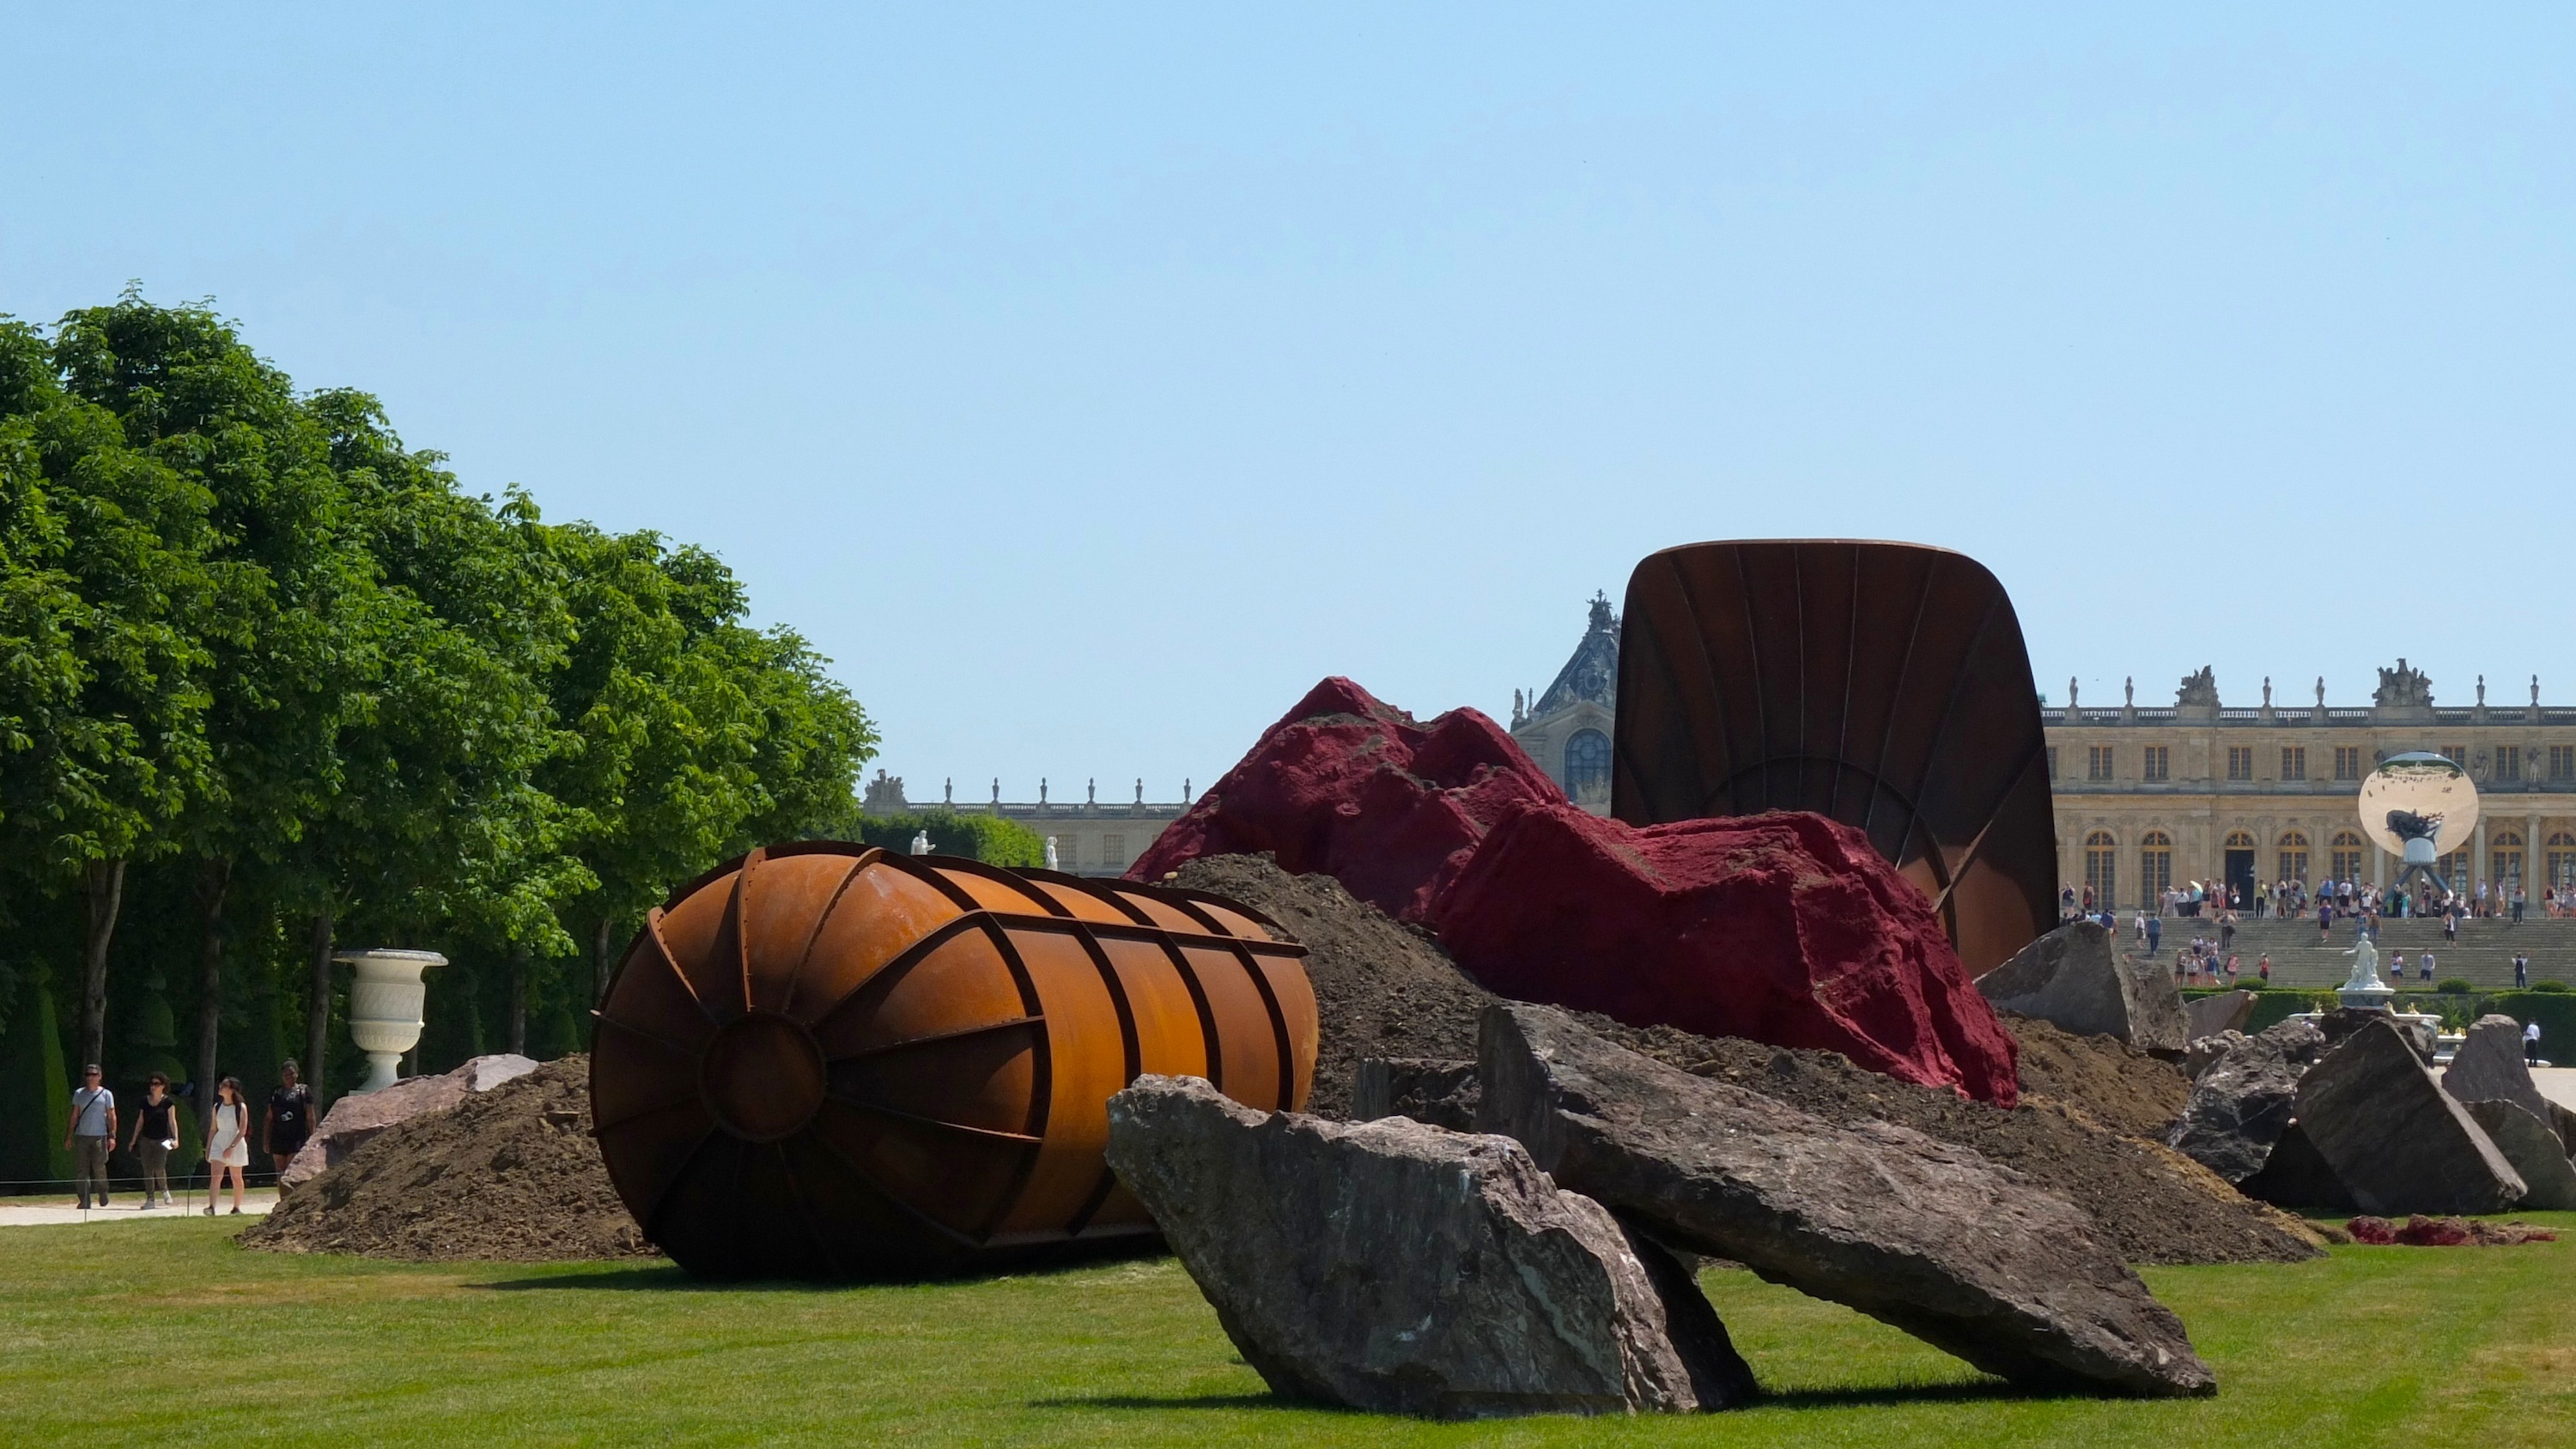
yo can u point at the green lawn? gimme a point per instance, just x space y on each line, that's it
159 1332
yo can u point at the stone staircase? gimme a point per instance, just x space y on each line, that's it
2483 956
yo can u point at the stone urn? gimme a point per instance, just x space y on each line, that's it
384 1007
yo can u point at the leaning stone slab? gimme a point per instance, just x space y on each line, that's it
2535 1152
1426 1089
2394 1137
2297 1176
354 1119
1927 1236
2489 1067
2210 1015
2343 1021
2242 1102
1401 1267
2076 979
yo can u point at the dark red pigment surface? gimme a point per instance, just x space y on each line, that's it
1785 928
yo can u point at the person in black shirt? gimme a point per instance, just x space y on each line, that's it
290 1116
156 1133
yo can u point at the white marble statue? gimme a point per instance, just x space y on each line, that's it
1051 856
2365 965
921 842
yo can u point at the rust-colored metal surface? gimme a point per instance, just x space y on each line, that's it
824 1060
1882 684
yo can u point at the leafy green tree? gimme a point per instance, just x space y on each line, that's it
108 543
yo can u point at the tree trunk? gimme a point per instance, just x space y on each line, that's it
214 879
518 999
104 885
601 943
317 1010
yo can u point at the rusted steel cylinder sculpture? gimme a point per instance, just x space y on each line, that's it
824 1060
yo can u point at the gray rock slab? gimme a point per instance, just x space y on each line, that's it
2210 1015
2488 1067
2243 1101
2394 1137
2548 1178
355 1119
1401 1267
1426 1089
2075 978
2343 1021
1930 1237
2297 1176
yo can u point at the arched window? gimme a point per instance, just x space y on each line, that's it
2504 858
2454 869
2345 863
2239 840
1587 762
2101 867
2155 866
2562 860
2294 857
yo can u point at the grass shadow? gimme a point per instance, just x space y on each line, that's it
671 1278
1888 1395
1186 1401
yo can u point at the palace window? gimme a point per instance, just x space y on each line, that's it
2347 765
2294 762
2344 860
2155 866
2240 762
2562 860
2158 764
1113 851
1587 762
2052 762
2097 763
2101 867
2454 869
2508 762
2456 754
2562 762
2294 857
2504 857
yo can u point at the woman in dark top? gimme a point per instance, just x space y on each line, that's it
156 1135
290 1116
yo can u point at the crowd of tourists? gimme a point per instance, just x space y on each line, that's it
91 1132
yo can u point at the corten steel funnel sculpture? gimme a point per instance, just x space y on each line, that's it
824 1060
1884 685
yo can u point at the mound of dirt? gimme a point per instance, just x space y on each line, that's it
507 1175
2105 1078
1382 990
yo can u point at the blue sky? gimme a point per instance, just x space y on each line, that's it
1090 384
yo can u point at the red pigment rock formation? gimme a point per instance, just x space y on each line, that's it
1352 788
1784 928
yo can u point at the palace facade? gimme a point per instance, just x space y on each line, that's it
2152 797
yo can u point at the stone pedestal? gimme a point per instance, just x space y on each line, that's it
384 1008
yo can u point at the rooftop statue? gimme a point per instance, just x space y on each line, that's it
2198 690
2403 688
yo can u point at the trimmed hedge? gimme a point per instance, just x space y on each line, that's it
988 838
2554 1010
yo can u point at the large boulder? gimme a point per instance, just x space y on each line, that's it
1426 1089
2394 1137
2537 1154
2210 1015
2420 1036
356 1118
1400 1267
1785 928
1360 791
1929 1237
2296 1175
2243 1102
2488 1067
2076 978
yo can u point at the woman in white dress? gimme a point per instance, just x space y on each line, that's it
228 1144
